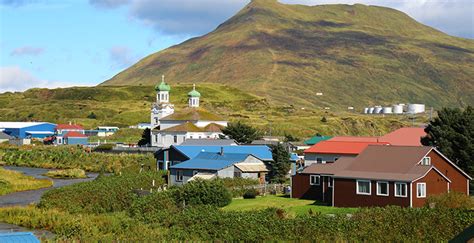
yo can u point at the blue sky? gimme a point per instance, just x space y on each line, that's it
54 43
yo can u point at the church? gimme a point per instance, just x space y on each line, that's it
170 127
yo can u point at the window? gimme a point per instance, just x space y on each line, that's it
237 174
363 187
319 160
314 180
330 181
175 139
179 175
426 161
382 188
421 190
400 189
336 158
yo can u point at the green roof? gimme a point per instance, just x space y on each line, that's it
194 92
162 87
316 139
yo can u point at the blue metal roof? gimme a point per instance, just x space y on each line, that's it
262 152
211 161
18 237
294 157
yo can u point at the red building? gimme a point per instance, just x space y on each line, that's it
380 176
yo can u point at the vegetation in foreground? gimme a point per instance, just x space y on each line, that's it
72 157
14 181
66 174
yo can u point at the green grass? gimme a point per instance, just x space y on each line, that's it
291 205
67 174
13 181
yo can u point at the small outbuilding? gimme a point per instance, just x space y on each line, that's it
74 138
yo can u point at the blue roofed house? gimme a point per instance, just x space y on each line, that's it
28 129
176 154
222 164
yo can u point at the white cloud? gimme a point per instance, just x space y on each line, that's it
13 78
27 51
122 57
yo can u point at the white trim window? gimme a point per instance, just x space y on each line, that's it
319 160
426 161
400 189
179 175
382 188
330 181
314 180
421 190
363 187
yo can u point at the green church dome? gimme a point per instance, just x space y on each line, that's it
162 86
194 92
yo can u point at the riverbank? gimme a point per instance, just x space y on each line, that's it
13 181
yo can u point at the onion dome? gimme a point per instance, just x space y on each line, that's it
194 92
162 86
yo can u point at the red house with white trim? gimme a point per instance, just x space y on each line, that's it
380 176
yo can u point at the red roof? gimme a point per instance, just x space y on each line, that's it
407 136
69 127
75 135
341 147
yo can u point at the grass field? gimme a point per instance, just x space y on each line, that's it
291 205
13 181
67 174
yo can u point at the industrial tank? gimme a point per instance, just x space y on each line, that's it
416 108
371 110
378 109
366 110
387 110
397 109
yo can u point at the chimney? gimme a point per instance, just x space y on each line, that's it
222 151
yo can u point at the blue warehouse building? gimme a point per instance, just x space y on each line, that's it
28 129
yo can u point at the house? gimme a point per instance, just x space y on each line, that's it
316 139
28 129
329 151
210 142
26 237
176 154
105 131
173 128
380 176
4 137
222 164
74 138
62 129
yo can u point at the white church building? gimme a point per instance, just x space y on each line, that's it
170 127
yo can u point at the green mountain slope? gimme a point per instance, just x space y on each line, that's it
128 105
355 55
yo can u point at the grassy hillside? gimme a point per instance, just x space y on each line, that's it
129 105
355 55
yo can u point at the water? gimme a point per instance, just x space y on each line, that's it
28 197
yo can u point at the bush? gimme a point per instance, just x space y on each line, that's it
66 174
250 194
450 200
203 192
104 147
237 185
105 194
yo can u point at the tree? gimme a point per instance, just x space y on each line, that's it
146 138
452 133
280 165
92 116
291 138
241 132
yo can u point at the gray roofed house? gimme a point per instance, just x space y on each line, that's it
210 142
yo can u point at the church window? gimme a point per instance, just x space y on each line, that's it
175 139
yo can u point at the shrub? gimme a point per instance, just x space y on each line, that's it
66 174
159 207
105 194
104 147
203 192
250 194
237 185
450 200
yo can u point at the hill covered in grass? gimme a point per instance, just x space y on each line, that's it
355 55
128 105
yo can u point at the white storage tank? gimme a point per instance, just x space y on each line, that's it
378 109
416 108
397 109
371 110
387 110
366 110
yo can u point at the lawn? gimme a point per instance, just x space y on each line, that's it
291 205
13 181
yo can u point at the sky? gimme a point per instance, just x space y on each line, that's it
62 43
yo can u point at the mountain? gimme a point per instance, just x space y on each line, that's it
355 55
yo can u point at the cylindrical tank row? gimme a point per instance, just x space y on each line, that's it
396 109
415 108
387 110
